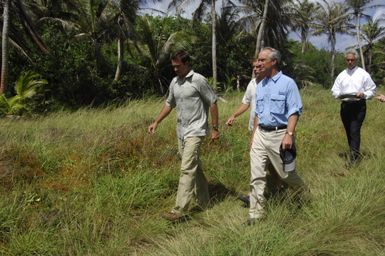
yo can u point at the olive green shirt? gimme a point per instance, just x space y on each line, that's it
192 96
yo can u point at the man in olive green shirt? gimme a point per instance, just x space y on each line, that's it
192 97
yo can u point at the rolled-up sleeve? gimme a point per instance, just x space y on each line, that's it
170 101
207 93
294 102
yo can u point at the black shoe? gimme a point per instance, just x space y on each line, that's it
245 199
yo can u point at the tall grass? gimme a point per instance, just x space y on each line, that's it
93 182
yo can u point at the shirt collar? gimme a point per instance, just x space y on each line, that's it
189 74
351 71
274 78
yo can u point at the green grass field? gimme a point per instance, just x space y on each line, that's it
93 182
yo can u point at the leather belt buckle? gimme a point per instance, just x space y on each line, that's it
272 128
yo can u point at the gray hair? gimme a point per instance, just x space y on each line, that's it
353 52
274 54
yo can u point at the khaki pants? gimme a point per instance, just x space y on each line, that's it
192 181
265 147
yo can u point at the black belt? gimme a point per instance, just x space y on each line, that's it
361 101
272 128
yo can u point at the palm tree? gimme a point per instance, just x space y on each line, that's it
11 33
269 25
25 87
332 18
262 27
198 15
125 15
4 47
371 32
154 45
357 10
302 14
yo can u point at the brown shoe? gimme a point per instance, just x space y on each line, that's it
174 217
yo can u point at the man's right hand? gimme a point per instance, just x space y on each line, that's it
151 129
230 121
381 98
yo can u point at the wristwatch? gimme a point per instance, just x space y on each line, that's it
215 127
290 133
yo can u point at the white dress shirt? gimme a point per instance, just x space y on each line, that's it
352 81
249 99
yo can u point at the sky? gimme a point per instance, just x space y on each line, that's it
343 41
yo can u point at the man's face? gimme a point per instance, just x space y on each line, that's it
264 63
351 60
181 69
256 69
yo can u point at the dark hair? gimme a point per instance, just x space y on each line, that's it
254 59
182 55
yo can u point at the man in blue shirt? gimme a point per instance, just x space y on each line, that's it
278 106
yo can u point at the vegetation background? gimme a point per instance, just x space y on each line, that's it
79 175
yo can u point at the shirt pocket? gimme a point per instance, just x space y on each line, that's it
277 104
259 105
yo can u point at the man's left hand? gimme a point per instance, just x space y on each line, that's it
214 135
360 95
287 141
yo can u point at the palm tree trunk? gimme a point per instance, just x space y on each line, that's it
214 43
259 43
333 51
120 59
358 29
370 56
303 42
28 25
4 48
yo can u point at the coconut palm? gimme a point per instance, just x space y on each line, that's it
4 47
331 18
371 32
25 87
269 25
302 14
357 10
13 34
124 22
198 15
154 45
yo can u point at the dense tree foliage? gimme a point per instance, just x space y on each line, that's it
102 52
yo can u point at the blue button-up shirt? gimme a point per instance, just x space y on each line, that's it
277 98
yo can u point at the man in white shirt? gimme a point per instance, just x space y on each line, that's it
353 87
248 99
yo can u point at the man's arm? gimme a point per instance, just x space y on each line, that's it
255 125
214 121
241 109
163 113
287 141
381 97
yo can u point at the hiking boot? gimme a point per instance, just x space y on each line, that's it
174 217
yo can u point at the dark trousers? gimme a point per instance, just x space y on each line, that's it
353 115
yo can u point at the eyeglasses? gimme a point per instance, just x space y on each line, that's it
350 59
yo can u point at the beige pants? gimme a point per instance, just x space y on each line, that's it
192 181
265 147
